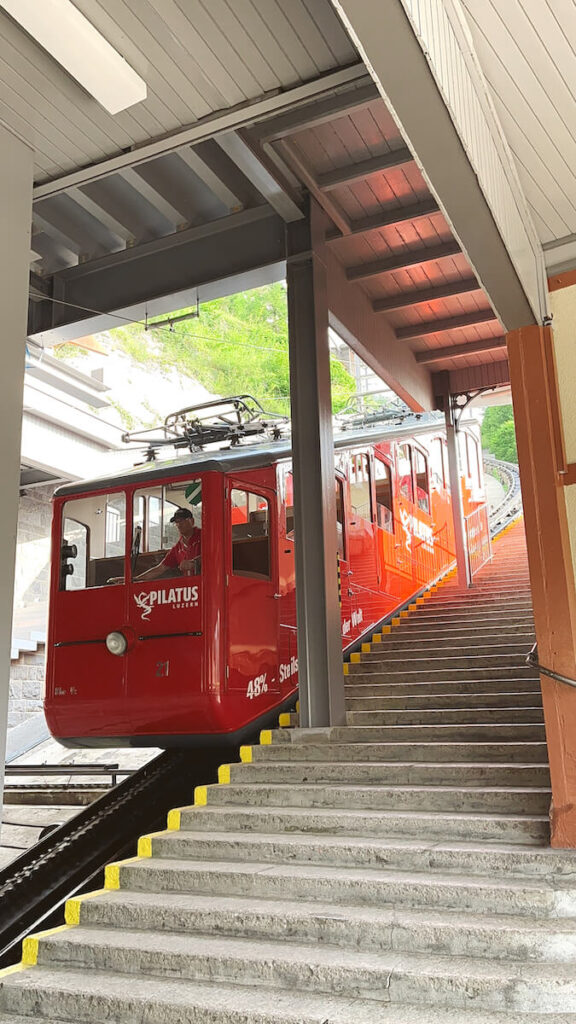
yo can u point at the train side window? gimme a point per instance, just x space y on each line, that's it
340 518
405 472
93 541
437 465
289 504
384 507
250 525
360 489
422 485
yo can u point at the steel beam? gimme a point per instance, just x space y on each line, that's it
263 176
213 125
364 169
320 112
416 258
442 291
306 176
321 680
452 323
143 183
472 348
388 218
157 273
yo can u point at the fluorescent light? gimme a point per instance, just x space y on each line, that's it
60 28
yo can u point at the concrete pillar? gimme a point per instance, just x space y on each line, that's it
16 171
540 437
318 611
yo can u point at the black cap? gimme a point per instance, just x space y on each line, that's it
181 513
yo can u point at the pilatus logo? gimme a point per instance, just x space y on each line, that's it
414 528
178 597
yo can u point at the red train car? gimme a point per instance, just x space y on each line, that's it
206 645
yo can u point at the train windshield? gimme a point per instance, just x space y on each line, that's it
167 528
93 541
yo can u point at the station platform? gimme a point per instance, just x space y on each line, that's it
396 868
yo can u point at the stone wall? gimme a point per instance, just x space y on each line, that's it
26 686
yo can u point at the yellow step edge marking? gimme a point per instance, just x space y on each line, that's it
421 600
285 720
386 629
266 737
145 843
355 658
412 607
404 614
346 668
224 774
245 756
366 648
396 621
297 707
14 969
73 905
174 819
200 796
31 943
377 638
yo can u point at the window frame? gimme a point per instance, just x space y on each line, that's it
377 505
245 488
417 451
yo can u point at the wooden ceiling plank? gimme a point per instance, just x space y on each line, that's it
414 298
437 355
413 258
450 324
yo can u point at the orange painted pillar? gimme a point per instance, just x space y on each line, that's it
539 435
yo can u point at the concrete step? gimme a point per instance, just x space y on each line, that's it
512 732
382 977
401 675
365 684
368 929
485 601
421 662
406 631
367 752
392 773
444 716
402 797
415 648
524 897
509 828
449 701
82 996
491 860
470 615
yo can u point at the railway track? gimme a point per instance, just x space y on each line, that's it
511 505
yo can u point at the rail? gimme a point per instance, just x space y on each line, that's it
34 887
113 770
532 659
511 504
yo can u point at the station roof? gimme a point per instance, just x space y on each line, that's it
185 195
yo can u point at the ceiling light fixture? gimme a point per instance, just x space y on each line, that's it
60 28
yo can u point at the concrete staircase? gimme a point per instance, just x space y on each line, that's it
395 869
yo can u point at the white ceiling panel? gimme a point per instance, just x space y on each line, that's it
527 49
196 56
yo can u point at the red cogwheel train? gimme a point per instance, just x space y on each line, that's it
173 606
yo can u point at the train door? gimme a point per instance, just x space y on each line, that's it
385 532
252 593
347 606
362 553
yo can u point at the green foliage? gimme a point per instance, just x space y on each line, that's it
498 434
239 345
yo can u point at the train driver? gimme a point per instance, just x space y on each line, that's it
183 556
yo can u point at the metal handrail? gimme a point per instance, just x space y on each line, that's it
69 769
532 659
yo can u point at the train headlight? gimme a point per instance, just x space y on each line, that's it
116 643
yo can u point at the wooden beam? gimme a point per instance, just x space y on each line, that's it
407 259
443 291
388 218
357 172
472 348
452 323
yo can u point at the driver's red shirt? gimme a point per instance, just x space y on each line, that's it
183 550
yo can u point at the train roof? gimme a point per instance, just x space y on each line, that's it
250 456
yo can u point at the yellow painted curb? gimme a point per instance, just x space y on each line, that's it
421 600
266 737
174 819
396 621
355 658
404 614
346 668
386 629
297 707
73 905
14 969
413 607
200 796
30 944
285 720
246 755
366 648
224 774
377 638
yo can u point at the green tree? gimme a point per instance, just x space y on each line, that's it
238 345
494 418
503 444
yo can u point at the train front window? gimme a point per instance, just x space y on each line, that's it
93 541
250 527
383 481
360 497
156 538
